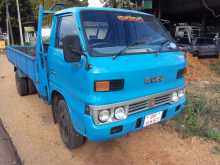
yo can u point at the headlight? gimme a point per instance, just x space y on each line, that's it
110 115
181 93
177 95
104 116
174 97
121 113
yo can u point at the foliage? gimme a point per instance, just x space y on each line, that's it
201 115
48 3
215 67
29 9
25 10
118 3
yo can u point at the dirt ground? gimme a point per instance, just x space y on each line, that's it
29 123
8 153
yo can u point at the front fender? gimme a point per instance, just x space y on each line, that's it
76 110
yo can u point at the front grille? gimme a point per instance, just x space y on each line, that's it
150 102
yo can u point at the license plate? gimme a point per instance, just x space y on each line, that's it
152 118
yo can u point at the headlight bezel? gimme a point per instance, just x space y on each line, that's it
174 97
112 118
180 93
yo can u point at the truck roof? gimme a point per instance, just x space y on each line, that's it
78 9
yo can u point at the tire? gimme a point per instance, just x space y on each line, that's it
70 137
31 87
21 85
55 101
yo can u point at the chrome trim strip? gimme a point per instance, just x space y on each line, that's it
126 103
146 108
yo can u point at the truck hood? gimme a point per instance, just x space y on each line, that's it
136 70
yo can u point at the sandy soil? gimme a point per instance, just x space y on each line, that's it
29 123
8 153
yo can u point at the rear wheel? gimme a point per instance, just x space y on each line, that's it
21 85
70 137
31 87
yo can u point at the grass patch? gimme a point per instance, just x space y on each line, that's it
201 116
214 135
215 67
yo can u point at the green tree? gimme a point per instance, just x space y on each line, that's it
118 3
25 9
48 3
29 11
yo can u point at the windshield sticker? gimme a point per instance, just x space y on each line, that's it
130 18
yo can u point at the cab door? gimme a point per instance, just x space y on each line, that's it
63 76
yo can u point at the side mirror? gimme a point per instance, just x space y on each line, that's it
72 48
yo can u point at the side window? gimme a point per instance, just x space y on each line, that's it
66 26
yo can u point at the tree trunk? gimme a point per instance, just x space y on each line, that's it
114 4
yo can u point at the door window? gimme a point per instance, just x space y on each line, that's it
66 26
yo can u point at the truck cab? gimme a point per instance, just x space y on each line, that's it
107 72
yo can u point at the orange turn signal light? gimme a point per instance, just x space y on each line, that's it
101 86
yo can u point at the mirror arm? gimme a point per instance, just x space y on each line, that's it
88 66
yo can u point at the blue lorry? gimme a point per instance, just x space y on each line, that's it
105 72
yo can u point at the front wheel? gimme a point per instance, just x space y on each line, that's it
70 137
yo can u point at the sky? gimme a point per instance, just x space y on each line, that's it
95 3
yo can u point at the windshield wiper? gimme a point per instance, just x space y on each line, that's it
127 47
162 44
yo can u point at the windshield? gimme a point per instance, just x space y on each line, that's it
108 32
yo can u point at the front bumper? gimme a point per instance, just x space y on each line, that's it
133 123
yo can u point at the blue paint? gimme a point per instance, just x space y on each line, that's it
101 133
75 83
